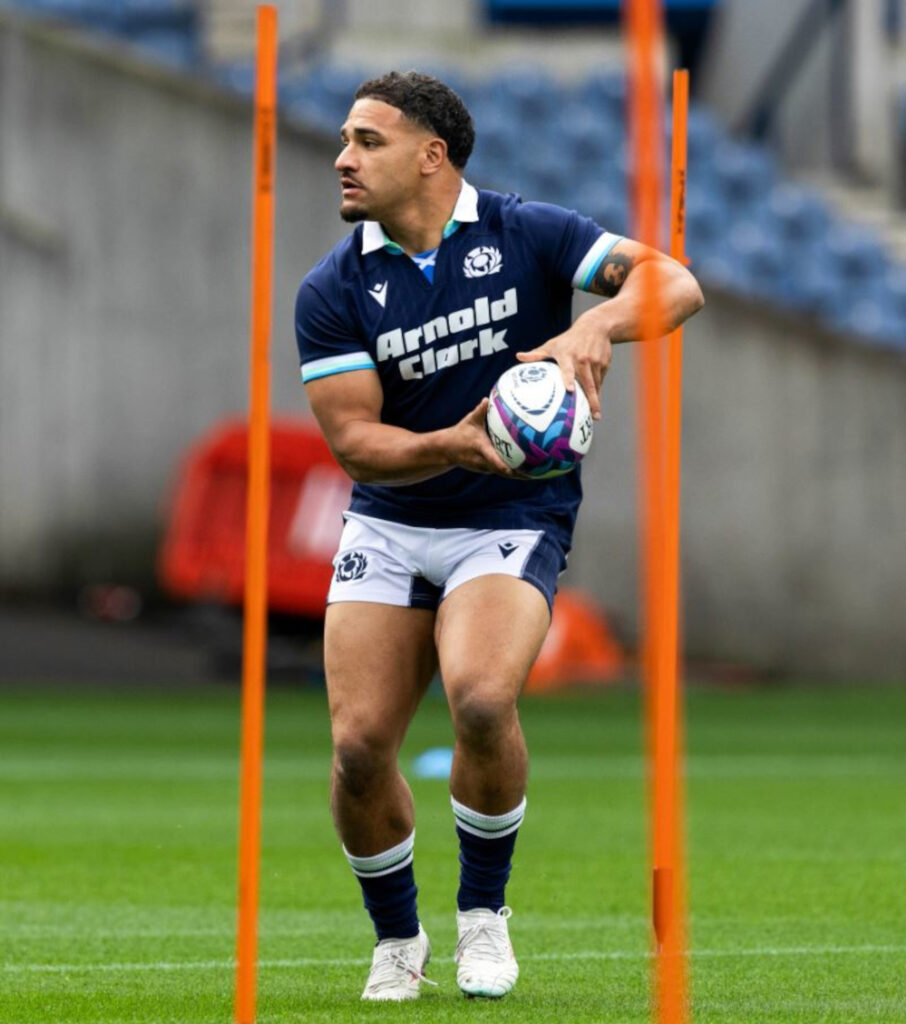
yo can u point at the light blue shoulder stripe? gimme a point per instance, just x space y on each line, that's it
593 259
336 364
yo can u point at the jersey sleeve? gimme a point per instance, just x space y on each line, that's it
570 247
327 343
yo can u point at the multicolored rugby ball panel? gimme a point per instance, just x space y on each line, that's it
536 425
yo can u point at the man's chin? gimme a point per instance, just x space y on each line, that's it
353 214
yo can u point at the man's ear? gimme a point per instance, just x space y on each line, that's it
433 156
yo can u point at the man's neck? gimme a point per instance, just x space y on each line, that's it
419 227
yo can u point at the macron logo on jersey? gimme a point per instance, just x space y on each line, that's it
426 359
379 293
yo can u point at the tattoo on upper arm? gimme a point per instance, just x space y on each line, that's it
609 277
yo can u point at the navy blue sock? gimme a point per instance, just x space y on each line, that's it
486 844
388 887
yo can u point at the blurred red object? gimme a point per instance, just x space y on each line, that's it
203 553
579 647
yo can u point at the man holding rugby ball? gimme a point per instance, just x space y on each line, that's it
447 560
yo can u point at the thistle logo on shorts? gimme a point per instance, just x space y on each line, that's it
480 262
351 566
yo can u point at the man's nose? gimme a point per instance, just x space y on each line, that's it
344 161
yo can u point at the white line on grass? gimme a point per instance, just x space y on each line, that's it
303 962
312 923
37 769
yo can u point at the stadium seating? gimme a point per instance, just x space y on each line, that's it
748 229
164 30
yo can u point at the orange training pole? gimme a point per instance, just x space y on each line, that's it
255 623
643 23
669 876
659 513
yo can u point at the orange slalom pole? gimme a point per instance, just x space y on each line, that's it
258 503
645 125
645 30
668 870
644 23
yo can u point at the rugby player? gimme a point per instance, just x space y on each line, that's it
447 560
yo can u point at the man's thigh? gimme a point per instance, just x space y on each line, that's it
488 633
379 660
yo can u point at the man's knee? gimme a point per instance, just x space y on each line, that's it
482 718
361 760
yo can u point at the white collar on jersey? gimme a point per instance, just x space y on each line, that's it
465 211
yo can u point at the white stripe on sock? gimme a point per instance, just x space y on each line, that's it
487 826
384 863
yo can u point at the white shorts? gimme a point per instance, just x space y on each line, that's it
416 567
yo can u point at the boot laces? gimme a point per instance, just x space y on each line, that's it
487 939
393 963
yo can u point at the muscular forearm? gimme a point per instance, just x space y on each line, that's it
376 453
624 317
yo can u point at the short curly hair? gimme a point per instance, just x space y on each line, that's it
428 102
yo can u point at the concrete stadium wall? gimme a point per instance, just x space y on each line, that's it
124 227
123 285
794 483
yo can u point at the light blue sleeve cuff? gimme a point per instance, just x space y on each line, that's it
336 364
587 269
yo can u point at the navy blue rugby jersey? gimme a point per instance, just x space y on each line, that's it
503 282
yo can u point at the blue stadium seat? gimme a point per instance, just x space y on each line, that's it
175 48
454 77
800 215
817 289
120 15
872 319
499 138
855 252
547 178
703 134
894 285
760 259
292 86
332 88
301 97
160 12
309 112
88 12
604 91
152 7
62 8
164 29
602 203
238 77
707 219
618 167
526 94
720 268
587 137
745 173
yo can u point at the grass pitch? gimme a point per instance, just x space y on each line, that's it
118 862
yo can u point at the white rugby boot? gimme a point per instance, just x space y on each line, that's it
398 968
486 965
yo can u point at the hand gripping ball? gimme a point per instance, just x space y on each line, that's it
537 426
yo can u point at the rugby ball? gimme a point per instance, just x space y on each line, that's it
536 425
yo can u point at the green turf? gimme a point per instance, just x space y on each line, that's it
117 862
